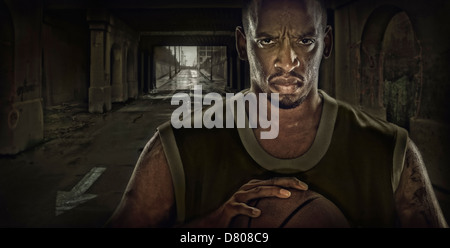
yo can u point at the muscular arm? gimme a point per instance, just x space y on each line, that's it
148 200
416 203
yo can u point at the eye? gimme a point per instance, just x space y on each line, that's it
306 41
266 42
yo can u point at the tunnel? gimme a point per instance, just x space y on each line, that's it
152 29
85 84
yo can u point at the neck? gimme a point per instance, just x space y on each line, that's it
297 128
307 111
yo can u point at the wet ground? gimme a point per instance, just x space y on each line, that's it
76 176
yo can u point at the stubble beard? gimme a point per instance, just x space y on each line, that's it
290 101
286 101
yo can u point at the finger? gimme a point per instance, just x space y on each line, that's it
285 182
261 192
240 208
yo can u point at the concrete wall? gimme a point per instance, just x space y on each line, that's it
65 61
113 74
361 18
57 56
21 113
165 63
163 69
219 63
123 63
220 68
391 59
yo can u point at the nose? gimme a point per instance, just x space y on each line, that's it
287 59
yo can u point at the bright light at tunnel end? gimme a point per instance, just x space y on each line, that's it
234 111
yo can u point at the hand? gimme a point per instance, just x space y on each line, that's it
254 189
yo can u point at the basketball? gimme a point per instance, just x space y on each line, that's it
303 209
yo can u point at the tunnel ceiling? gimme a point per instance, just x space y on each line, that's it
192 19
168 15
182 26
167 22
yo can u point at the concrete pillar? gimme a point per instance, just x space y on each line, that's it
132 72
146 72
125 72
108 45
140 73
99 90
25 127
117 94
152 68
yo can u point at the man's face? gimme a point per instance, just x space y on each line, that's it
285 42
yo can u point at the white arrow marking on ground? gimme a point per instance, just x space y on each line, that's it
68 200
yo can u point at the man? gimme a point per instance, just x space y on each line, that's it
204 178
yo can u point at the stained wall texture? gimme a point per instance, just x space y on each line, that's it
391 59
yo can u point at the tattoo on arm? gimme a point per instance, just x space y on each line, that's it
415 200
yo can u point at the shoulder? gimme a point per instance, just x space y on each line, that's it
150 185
353 116
357 121
363 118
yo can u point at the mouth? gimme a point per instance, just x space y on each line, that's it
285 85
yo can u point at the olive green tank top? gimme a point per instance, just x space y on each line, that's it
355 161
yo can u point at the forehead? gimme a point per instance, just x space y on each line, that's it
294 15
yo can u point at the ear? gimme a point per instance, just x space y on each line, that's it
328 40
241 43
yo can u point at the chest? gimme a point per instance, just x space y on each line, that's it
290 143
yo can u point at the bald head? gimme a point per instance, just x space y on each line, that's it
250 9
